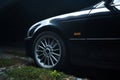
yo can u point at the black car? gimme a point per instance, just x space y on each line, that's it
90 37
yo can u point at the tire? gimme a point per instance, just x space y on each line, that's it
49 50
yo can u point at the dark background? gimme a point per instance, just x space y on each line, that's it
16 16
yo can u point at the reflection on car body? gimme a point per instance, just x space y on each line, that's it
90 37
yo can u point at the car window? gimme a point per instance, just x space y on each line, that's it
99 5
116 2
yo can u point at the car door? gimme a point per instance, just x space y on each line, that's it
103 34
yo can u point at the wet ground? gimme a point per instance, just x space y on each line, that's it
82 72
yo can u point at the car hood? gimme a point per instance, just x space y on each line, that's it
60 18
65 17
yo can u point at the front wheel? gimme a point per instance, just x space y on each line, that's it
49 50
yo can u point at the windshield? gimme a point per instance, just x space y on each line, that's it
99 5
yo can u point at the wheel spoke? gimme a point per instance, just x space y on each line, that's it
40 55
51 61
55 54
39 51
43 44
55 45
54 58
56 49
48 60
40 47
52 42
45 59
42 58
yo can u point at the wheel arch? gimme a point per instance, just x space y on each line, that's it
52 29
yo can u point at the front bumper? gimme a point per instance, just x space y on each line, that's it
28 47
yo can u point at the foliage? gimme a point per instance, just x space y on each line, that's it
32 73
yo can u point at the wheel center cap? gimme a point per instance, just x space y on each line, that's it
47 50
